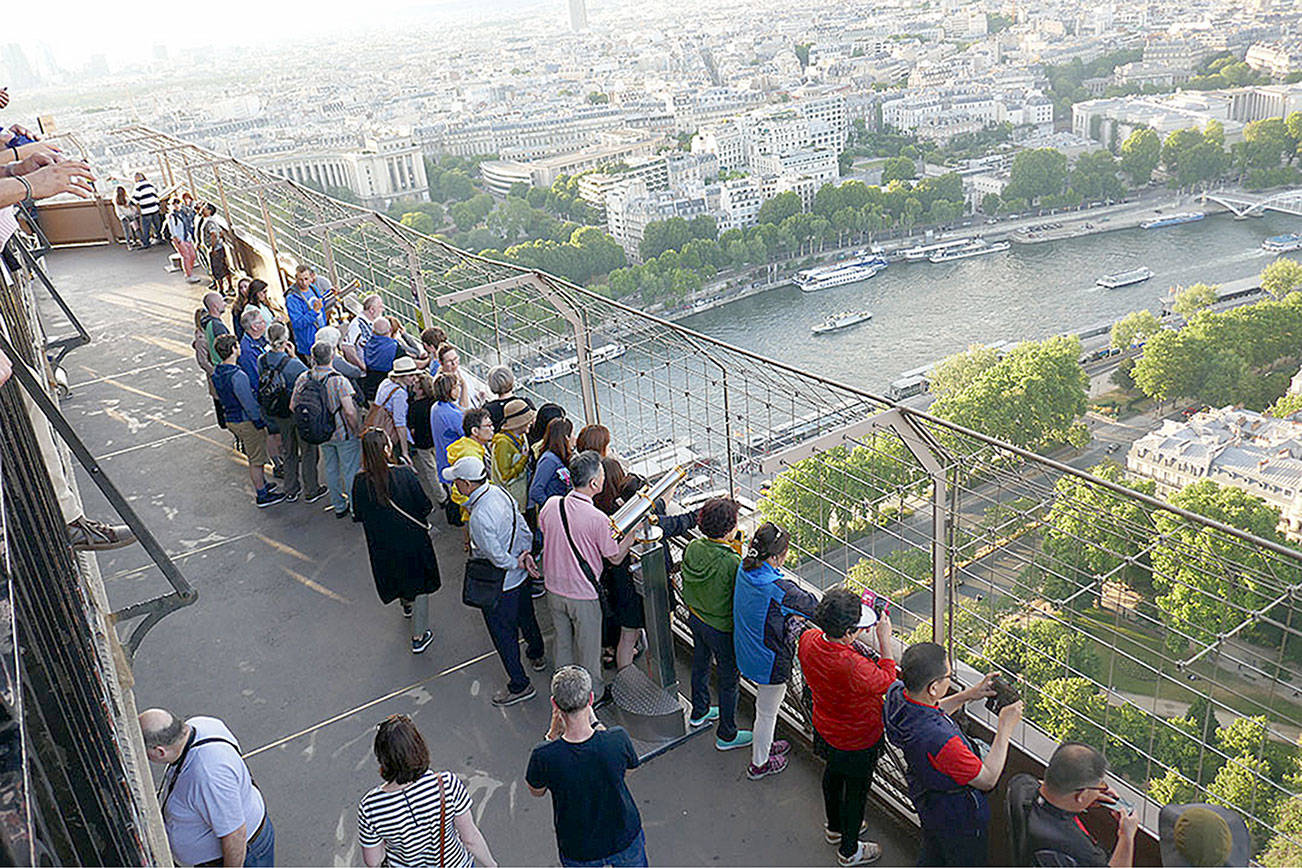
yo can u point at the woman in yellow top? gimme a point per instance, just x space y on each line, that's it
477 426
510 459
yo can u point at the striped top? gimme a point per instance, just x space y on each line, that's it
146 197
407 821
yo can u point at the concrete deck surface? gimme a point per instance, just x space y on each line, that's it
290 646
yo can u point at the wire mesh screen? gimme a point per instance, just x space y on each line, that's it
1164 635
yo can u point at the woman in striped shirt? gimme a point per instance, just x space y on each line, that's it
417 817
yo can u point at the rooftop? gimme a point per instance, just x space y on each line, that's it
289 645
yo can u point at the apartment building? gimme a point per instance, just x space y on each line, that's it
380 172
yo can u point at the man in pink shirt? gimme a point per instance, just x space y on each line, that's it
571 582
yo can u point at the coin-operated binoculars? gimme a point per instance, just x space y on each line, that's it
648 698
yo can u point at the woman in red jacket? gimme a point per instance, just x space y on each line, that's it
848 680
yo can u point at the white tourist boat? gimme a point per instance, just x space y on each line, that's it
977 247
1283 243
842 320
565 367
850 271
922 252
1125 278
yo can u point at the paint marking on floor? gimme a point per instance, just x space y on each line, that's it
372 703
315 586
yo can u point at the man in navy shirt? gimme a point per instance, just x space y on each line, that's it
307 306
948 782
243 416
582 763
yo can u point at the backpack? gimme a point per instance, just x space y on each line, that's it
381 417
313 417
1020 795
273 397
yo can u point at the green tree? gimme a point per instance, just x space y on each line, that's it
779 208
662 235
960 370
1095 176
1243 785
1134 327
1285 847
1032 397
898 169
1035 173
1189 300
1140 153
422 223
990 203
1170 367
1172 788
1206 582
1282 276
802 53
1071 709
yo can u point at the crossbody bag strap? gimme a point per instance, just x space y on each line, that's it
443 819
422 525
583 563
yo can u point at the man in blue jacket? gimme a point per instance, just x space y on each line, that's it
307 305
243 416
948 782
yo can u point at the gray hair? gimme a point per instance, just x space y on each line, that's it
322 354
500 380
571 689
369 301
165 735
277 334
584 467
249 317
382 327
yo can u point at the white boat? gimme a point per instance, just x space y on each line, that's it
1283 243
924 251
565 367
1125 278
850 271
975 248
1173 220
842 320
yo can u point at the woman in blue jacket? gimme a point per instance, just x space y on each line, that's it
763 598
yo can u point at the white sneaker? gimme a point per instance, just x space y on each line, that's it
868 852
834 838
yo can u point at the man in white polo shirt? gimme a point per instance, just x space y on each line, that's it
213 812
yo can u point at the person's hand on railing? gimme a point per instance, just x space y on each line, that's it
27 150
31 163
69 176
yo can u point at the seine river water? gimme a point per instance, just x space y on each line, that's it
924 311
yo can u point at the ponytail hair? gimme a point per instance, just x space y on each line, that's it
769 541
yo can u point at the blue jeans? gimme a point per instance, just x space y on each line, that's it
708 642
151 226
342 460
632 855
512 616
262 849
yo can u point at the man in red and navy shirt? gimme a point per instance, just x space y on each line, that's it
947 780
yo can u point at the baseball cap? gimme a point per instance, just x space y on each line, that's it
470 468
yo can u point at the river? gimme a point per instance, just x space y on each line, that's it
924 311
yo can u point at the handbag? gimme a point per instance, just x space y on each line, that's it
452 510
482 586
603 597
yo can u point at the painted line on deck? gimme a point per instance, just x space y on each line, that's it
132 389
131 373
372 703
316 586
152 443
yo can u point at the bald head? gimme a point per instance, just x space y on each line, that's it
382 327
164 734
214 302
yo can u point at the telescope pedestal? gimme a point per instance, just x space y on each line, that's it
646 695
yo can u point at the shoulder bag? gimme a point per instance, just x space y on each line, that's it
607 610
482 586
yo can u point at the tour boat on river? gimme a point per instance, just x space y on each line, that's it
1125 278
841 320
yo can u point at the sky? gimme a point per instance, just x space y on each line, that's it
75 29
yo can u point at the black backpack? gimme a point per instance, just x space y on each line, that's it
273 397
312 415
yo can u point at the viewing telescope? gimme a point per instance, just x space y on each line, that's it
640 505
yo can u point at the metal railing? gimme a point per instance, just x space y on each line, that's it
1166 638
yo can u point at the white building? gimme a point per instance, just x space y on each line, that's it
380 172
818 163
631 207
727 142
1237 448
615 146
1272 58
739 202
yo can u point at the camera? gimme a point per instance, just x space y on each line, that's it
879 604
1005 695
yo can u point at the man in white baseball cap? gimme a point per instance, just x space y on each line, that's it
498 534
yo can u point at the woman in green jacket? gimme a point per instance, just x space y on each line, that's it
709 573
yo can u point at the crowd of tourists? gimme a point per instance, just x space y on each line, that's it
401 437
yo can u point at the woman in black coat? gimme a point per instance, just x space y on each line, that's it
394 511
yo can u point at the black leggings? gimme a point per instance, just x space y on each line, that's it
846 779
